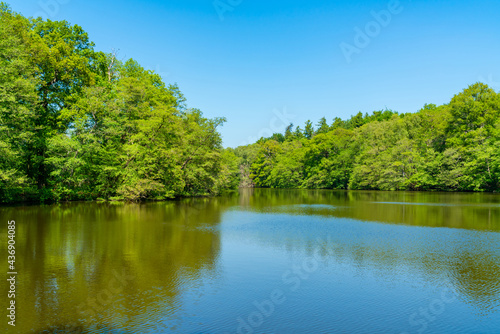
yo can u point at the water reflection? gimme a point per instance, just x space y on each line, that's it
477 278
469 260
196 265
477 211
94 266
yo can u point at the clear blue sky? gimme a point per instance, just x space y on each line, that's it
251 59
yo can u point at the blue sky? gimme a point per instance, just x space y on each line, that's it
262 64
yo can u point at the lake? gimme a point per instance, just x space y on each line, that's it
260 261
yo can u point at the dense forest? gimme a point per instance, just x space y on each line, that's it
80 124
452 147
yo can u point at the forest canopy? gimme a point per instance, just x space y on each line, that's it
79 124
452 147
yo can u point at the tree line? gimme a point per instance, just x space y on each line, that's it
452 147
79 124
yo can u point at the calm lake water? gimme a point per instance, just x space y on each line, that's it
260 261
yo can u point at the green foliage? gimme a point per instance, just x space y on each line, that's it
329 160
17 104
246 156
322 126
76 124
288 170
453 147
308 130
289 132
229 177
264 163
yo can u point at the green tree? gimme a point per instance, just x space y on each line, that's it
17 102
264 163
356 121
338 123
308 130
329 160
322 126
288 132
472 142
288 170
298 134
